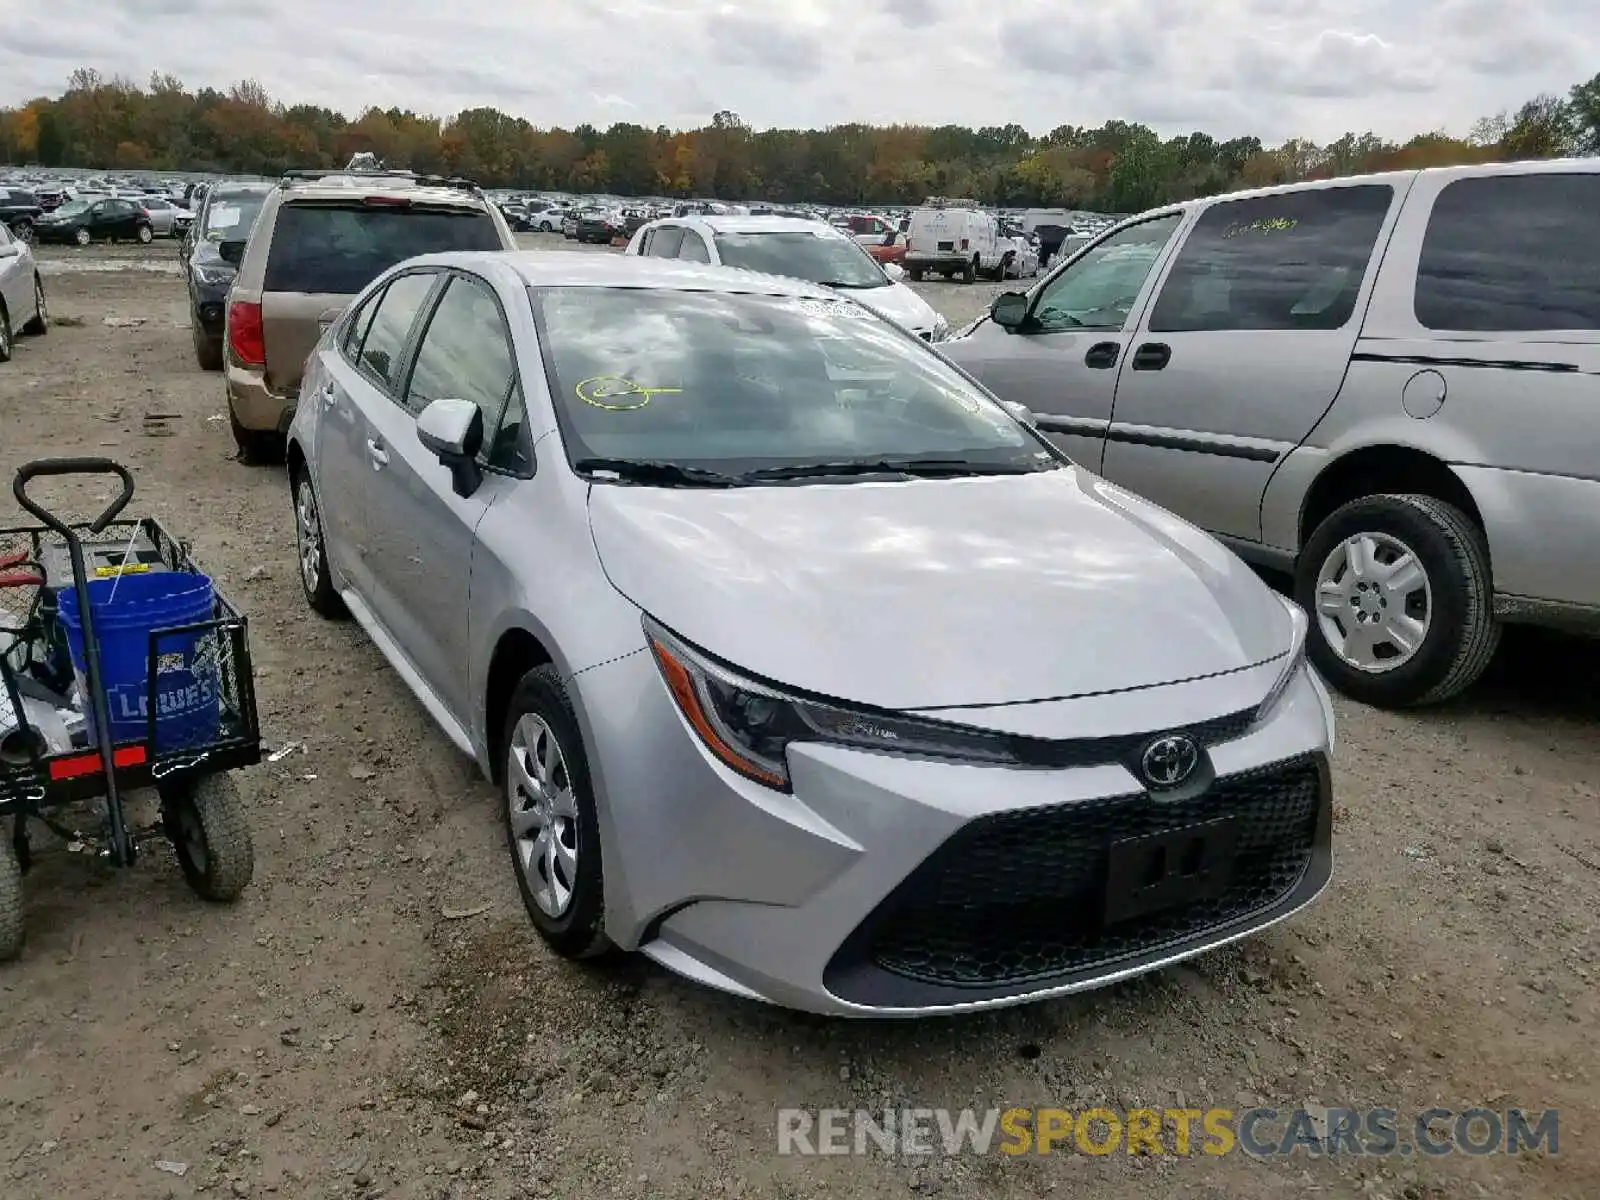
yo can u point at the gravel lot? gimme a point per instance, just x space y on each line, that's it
344 1031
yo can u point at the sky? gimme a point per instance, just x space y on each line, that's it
1274 68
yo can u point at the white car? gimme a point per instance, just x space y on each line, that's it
22 304
798 249
1022 261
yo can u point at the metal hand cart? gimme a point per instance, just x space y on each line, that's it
62 747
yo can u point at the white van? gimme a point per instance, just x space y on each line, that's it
954 237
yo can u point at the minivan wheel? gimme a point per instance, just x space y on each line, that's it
552 829
1400 597
257 447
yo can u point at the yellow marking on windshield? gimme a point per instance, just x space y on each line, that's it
600 390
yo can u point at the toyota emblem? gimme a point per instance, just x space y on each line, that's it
1169 760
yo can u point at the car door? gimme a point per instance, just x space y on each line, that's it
362 377
423 529
18 301
1244 348
1062 361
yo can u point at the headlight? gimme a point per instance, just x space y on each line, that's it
213 275
1292 662
749 725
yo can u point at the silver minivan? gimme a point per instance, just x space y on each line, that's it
1385 385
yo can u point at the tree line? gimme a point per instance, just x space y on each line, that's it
114 124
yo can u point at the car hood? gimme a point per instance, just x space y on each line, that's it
932 593
897 302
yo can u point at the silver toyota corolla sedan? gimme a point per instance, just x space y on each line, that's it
805 667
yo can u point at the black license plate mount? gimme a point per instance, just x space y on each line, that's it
1165 870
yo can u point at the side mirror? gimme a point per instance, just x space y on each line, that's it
231 252
894 271
1009 310
1020 411
452 430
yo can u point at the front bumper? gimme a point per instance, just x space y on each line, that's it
890 886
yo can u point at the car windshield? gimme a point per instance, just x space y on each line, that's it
73 208
232 214
337 249
735 383
802 254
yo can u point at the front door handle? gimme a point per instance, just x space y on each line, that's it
1102 356
376 452
1152 356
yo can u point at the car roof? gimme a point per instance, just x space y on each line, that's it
770 224
355 186
558 268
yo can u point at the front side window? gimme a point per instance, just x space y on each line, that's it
1512 253
1099 290
465 353
693 248
801 254
735 383
1294 260
383 347
339 248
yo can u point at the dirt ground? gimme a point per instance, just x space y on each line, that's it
344 1031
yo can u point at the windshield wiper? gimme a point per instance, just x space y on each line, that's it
643 470
916 468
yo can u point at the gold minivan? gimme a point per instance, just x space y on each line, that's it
321 237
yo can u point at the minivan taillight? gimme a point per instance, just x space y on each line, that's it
963 243
245 337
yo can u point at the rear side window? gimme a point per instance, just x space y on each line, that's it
1512 253
693 249
383 348
339 249
664 242
1294 260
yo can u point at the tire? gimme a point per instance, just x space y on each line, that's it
12 930
207 350
540 709
206 823
1459 635
7 342
311 548
545 227
82 237
40 324
23 230
146 235
969 273
915 273
257 447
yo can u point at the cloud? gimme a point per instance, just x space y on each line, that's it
1275 68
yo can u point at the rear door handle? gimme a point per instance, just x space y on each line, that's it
376 452
328 394
1152 356
1102 356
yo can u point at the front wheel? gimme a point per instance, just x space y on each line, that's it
1399 592
23 231
206 822
207 349
5 334
552 828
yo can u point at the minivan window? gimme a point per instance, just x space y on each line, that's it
338 249
1293 260
1510 253
383 349
1098 291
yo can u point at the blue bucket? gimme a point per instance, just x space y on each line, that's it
188 681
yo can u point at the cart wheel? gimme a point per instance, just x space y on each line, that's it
10 903
206 823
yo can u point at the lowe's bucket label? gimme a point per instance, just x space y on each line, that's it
185 682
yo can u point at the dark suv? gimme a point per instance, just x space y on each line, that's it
320 238
19 210
211 252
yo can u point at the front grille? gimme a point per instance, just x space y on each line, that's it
1019 897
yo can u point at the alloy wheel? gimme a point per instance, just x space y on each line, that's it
308 535
1374 602
544 815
